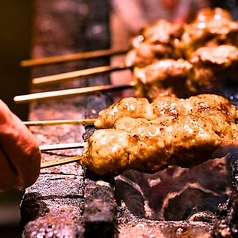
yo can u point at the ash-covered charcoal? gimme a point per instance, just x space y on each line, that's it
191 200
129 194
205 216
99 209
55 226
147 228
51 211
176 193
227 224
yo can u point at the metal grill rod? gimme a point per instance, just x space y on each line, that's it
62 146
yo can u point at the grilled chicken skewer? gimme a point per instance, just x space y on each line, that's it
164 64
149 137
200 57
169 131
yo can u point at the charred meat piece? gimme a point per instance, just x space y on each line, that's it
163 77
211 27
169 106
155 42
222 56
200 57
183 132
166 40
206 71
213 67
130 107
227 224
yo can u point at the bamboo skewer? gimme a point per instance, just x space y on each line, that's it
60 122
71 57
64 146
65 77
69 93
53 163
66 160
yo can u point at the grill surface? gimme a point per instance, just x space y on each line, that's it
67 201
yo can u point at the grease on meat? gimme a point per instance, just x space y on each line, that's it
183 132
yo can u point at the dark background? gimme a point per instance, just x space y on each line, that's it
15 42
15 45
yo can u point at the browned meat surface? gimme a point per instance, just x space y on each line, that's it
200 57
221 56
163 77
169 131
206 71
211 27
155 42
127 107
168 106
212 68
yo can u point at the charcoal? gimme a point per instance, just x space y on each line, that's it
227 222
99 209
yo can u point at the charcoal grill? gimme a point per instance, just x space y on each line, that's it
69 201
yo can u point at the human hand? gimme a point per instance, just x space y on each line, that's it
19 152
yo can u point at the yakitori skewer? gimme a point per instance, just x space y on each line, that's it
65 77
59 94
71 57
136 134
